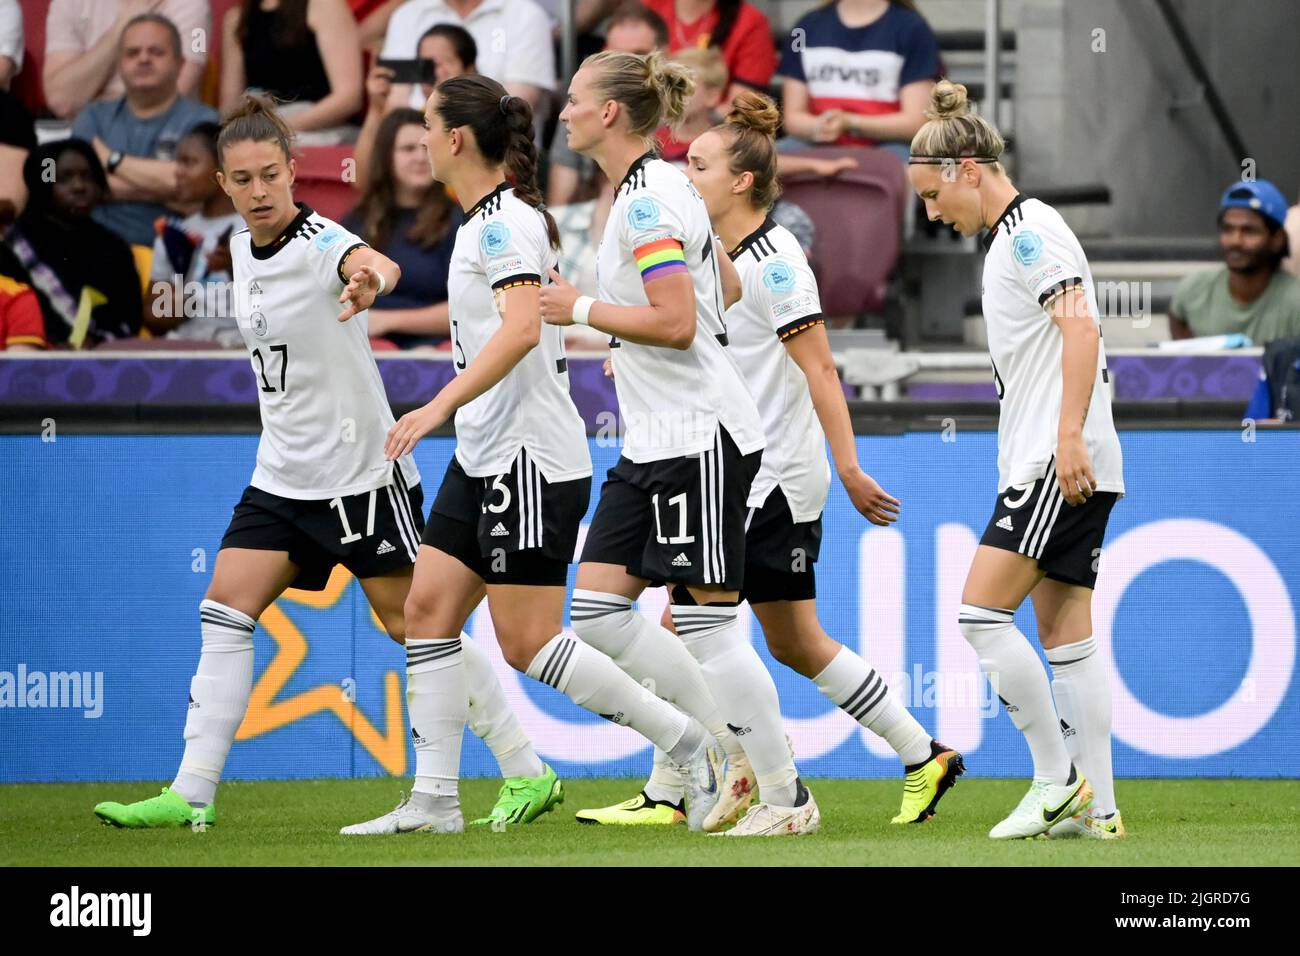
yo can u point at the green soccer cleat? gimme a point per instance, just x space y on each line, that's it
640 811
926 784
168 809
524 799
1089 826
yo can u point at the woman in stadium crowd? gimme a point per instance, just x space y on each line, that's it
1060 472
323 492
507 515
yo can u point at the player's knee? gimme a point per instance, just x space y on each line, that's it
518 651
785 650
420 615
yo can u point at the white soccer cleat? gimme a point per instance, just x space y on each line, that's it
1089 826
765 819
1043 806
405 818
700 786
736 794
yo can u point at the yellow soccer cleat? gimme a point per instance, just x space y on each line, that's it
640 811
1089 826
926 784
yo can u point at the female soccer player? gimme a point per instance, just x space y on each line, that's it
507 515
1060 471
323 492
779 340
673 509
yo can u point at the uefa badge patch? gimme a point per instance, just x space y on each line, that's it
643 213
258 321
1027 247
328 238
494 239
778 276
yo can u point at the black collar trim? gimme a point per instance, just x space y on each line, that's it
636 167
752 239
477 208
1008 219
278 243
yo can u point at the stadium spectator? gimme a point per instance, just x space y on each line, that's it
135 136
305 53
190 279
83 274
82 42
735 28
17 137
573 178
1292 225
11 41
1249 294
408 217
512 37
709 71
22 329
446 50
861 75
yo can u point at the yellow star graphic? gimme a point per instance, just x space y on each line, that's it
266 714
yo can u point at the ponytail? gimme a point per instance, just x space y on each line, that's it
503 130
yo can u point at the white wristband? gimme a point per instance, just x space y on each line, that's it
383 283
582 309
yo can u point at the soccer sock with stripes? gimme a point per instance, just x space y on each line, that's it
855 687
491 718
437 702
1082 691
219 694
594 682
651 655
745 694
1020 682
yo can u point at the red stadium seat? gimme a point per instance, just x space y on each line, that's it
859 219
321 181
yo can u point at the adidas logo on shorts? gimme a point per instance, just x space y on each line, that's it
499 531
681 561
384 547
1005 523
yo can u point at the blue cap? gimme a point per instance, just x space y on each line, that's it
1259 195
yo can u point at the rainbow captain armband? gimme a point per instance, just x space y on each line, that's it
662 257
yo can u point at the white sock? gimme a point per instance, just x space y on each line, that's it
647 652
1082 693
855 687
492 720
219 694
1020 681
593 681
437 701
665 783
745 694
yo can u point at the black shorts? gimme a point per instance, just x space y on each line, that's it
505 536
1064 539
780 553
371 534
680 520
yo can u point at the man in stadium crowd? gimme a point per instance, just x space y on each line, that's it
135 136
81 48
1249 293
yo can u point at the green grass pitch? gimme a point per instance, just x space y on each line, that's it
1171 823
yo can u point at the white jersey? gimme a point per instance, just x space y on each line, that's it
671 400
1031 254
325 414
502 244
779 300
